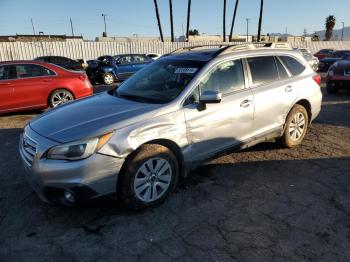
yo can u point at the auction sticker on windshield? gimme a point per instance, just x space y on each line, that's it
185 70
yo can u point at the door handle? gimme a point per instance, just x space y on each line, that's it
246 103
47 80
288 88
5 84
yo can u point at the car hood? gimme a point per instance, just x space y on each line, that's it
91 117
329 59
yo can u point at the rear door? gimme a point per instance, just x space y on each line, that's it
32 83
274 93
7 83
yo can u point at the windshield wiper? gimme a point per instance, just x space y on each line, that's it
130 97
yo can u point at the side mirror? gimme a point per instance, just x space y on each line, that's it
210 97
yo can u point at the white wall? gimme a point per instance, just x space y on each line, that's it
92 50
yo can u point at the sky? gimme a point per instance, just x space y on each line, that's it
128 17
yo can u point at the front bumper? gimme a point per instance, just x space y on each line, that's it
85 179
338 81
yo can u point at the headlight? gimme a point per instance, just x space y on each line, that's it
79 149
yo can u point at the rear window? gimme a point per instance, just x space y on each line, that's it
263 69
293 65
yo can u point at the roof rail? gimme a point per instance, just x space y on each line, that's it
278 45
232 48
190 48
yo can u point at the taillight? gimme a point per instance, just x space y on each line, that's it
317 79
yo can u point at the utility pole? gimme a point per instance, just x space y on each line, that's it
71 26
342 32
104 19
171 20
247 19
31 20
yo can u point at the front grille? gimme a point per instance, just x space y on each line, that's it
28 149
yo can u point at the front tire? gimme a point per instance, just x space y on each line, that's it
149 177
108 78
295 127
59 97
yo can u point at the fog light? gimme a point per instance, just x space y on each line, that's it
69 197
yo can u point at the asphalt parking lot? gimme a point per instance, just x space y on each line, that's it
264 204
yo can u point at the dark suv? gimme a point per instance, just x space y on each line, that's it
108 69
62 61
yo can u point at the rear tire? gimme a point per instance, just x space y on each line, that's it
331 88
108 78
59 97
295 127
149 177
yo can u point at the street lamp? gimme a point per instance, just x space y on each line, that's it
104 19
342 32
247 19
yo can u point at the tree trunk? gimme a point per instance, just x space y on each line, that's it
188 19
233 20
224 23
158 20
260 19
171 20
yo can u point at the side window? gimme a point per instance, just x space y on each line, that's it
24 71
226 78
125 60
293 65
281 70
4 72
139 59
263 69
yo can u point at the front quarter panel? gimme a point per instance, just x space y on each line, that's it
169 126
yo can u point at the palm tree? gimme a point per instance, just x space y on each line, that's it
171 20
330 23
233 20
188 19
260 19
224 23
158 19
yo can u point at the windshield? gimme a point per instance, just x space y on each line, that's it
159 82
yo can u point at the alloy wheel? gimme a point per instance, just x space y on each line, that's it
297 126
152 179
61 98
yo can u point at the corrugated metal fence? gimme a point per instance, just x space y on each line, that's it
92 50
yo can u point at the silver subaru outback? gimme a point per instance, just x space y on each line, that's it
138 139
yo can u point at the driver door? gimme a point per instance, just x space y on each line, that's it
219 126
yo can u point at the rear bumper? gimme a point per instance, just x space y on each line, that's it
85 179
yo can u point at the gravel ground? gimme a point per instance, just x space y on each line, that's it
263 204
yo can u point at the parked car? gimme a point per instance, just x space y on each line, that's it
312 60
325 63
36 85
168 118
109 69
324 53
338 76
62 61
154 56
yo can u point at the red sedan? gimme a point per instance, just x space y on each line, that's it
36 85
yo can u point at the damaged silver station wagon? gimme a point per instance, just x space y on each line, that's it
186 107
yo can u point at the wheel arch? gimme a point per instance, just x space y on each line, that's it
59 88
171 145
307 105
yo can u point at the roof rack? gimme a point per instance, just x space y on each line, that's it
190 48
